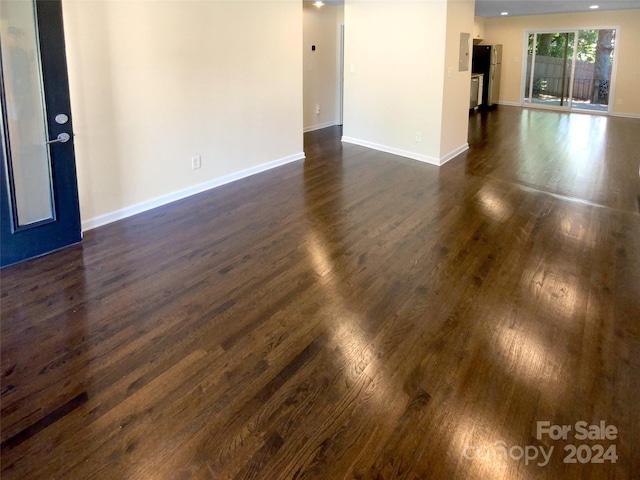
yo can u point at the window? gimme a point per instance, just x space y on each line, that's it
570 69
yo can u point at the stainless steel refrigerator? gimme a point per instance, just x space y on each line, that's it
487 59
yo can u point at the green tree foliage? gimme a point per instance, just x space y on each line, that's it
553 44
587 45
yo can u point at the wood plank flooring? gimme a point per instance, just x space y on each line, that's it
356 315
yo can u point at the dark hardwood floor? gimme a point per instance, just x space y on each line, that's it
356 315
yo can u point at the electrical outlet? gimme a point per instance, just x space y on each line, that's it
418 137
317 109
619 101
196 162
449 72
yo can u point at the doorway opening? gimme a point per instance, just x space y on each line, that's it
570 69
323 60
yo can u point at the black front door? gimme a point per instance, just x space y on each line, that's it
39 193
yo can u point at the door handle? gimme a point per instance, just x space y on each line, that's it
62 138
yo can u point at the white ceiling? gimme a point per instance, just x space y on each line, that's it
328 2
493 8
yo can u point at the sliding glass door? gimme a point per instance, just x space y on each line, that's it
593 76
569 69
550 68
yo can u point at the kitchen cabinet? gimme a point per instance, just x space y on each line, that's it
478 28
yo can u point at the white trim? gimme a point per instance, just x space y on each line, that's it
405 153
320 126
101 220
555 108
586 111
393 151
525 64
614 68
539 106
340 76
590 112
625 115
572 77
454 153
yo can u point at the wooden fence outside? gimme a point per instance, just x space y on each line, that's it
547 79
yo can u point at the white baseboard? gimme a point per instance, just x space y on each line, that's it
625 115
392 150
454 153
510 104
101 220
404 153
319 126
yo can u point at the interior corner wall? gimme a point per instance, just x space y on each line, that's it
394 63
154 84
320 29
455 108
509 31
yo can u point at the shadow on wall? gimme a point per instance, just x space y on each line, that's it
96 138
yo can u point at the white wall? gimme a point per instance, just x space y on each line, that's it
455 108
396 84
155 83
320 28
509 31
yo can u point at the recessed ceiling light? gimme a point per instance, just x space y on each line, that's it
593 7
504 13
318 4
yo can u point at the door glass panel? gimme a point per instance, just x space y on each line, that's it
552 68
26 152
593 70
